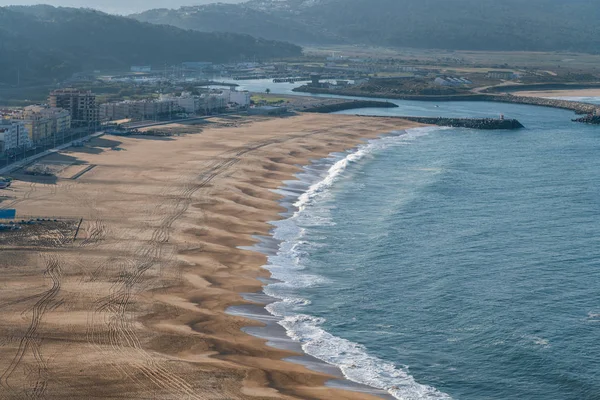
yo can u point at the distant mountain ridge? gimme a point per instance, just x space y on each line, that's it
41 43
251 19
534 25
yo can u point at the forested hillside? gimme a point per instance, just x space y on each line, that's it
539 25
43 43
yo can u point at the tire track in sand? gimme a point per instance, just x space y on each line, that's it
31 340
113 311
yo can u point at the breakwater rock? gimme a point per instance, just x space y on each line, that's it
540 87
589 119
473 123
575 106
350 105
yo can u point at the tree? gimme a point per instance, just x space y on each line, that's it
267 91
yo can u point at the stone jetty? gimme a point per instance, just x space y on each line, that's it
589 119
350 105
473 123
578 107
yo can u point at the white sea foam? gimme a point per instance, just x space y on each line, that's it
317 189
288 268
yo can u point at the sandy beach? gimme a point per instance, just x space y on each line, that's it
125 296
561 93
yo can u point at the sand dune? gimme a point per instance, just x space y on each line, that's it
133 307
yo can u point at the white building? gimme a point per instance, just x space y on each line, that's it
204 104
137 109
242 99
212 103
13 135
141 68
196 65
188 103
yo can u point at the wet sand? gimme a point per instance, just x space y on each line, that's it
134 306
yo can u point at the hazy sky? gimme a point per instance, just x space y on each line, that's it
117 6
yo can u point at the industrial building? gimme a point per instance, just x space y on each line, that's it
506 75
451 81
141 68
196 65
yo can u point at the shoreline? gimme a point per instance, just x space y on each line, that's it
177 225
309 182
276 334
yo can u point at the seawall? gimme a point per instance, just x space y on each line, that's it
590 119
575 106
349 105
471 123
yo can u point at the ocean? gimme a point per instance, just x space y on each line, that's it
443 263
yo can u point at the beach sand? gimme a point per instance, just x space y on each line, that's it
133 307
561 93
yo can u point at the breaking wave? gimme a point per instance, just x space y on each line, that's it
287 267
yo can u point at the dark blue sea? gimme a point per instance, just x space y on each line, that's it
441 263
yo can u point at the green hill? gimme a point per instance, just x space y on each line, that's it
43 43
532 25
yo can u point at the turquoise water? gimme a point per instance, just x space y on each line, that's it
452 263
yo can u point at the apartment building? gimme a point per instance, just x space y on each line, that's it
206 103
211 103
43 122
241 98
58 120
81 104
13 135
137 110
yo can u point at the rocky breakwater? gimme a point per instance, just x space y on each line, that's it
589 119
576 106
349 105
473 123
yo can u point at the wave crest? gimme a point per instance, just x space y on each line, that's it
286 266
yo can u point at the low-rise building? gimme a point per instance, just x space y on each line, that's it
506 75
451 81
268 110
196 65
13 135
141 68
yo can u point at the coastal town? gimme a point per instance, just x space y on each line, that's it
91 102
299 199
